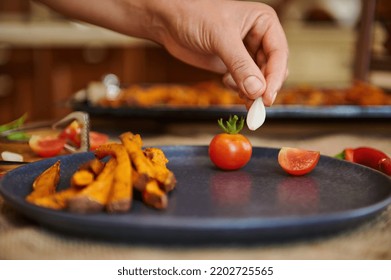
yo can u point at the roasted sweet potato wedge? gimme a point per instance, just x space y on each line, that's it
58 200
95 166
162 174
93 198
133 145
154 196
97 185
82 178
150 164
121 194
46 183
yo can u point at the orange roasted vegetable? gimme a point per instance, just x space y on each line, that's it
44 190
82 178
94 197
151 175
46 183
144 167
95 166
162 174
150 164
154 196
58 200
121 194
97 185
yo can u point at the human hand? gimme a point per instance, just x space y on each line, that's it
243 40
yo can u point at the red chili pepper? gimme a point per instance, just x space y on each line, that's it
385 166
369 157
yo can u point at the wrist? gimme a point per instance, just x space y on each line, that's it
161 16
149 19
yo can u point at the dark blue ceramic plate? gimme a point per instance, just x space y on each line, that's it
259 203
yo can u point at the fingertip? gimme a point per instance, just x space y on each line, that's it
274 84
269 98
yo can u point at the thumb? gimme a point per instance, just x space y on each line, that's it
242 68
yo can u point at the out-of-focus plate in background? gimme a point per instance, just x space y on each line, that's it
215 112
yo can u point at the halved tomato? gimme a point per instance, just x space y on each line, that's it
72 133
46 146
298 161
97 139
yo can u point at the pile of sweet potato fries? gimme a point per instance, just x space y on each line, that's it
100 185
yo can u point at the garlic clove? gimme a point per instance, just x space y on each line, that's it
256 114
10 156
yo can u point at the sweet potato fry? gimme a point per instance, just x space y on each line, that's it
133 145
82 178
94 197
150 164
95 166
153 195
46 183
163 175
58 200
121 194
139 181
97 185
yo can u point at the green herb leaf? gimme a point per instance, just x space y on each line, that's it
14 124
18 136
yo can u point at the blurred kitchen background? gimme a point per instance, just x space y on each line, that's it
45 58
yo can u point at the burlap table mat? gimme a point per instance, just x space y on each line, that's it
23 239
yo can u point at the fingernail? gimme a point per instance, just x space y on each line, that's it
252 85
274 97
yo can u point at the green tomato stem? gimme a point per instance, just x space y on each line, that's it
233 126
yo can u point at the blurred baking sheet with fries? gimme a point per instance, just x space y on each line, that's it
210 100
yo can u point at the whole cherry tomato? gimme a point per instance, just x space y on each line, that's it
230 150
297 161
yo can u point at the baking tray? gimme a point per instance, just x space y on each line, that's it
259 203
215 112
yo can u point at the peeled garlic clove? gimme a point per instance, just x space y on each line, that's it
256 115
10 156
